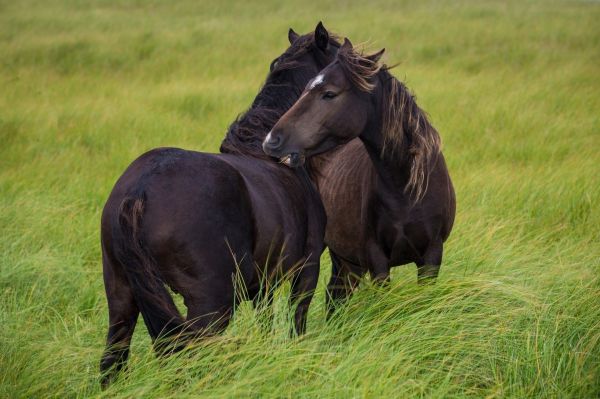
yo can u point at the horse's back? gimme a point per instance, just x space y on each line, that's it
201 207
171 176
196 211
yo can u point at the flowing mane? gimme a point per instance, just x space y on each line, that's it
407 134
246 133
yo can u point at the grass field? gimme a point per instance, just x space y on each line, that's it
514 89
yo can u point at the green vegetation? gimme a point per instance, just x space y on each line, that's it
85 87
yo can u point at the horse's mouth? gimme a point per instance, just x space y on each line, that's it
293 160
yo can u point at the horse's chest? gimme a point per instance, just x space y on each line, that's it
390 220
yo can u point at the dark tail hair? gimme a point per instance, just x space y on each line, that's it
153 300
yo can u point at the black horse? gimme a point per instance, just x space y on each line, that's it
195 222
390 201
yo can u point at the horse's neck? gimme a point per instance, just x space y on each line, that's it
394 171
261 116
393 174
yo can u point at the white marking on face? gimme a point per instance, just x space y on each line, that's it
316 81
302 95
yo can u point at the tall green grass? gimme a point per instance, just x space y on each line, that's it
513 88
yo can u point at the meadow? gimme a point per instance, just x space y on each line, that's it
514 90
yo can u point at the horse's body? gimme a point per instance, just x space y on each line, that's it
372 225
388 196
194 221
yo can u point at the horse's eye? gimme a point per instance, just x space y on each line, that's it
328 95
273 64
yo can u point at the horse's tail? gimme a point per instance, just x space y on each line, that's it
160 314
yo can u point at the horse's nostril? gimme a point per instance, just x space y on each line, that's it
275 141
272 142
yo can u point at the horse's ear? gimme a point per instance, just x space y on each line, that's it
321 36
376 56
347 46
292 36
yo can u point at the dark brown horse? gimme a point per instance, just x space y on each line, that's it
388 202
195 221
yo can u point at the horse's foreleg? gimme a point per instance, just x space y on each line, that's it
378 265
123 313
428 269
303 287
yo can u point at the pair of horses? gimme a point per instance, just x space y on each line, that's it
195 222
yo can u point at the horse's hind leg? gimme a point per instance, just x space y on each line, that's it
210 303
341 285
428 269
207 316
123 313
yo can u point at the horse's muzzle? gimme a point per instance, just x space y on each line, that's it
271 144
